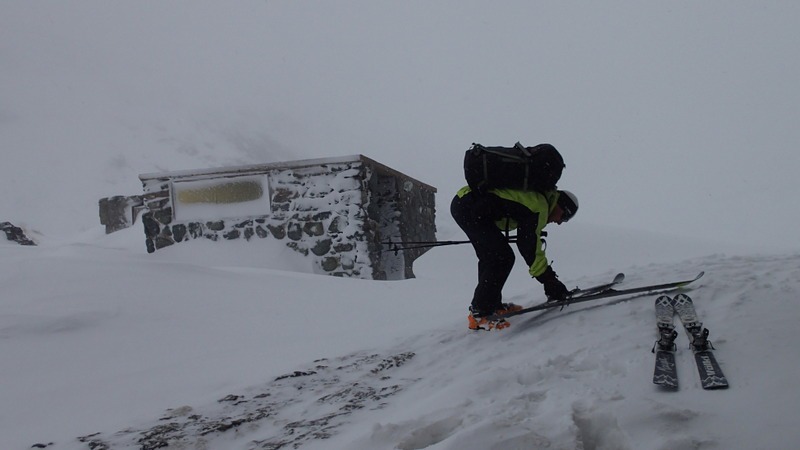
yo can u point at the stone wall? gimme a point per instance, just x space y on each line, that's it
336 211
119 212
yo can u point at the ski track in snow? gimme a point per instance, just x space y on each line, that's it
556 380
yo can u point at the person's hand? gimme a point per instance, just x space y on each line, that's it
553 288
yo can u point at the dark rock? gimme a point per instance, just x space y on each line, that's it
162 242
296 247
277 230
284 195
195 230
15 234
344 247
294 231
163 215
330 263
179 232
338 225
217 225
314 229
323 215
151 227
322 247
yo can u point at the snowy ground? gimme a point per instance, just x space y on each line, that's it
212 346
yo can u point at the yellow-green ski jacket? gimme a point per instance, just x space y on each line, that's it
529 235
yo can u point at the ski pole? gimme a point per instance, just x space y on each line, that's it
412 245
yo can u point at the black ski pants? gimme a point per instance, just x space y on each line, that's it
477 214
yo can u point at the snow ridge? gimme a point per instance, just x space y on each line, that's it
288 412
412 376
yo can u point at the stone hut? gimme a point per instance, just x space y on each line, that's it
338 211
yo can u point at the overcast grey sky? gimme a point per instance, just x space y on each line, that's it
678 117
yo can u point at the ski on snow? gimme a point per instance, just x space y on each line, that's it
665 373
711 376
619 278
598 292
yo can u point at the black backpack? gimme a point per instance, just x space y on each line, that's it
535 168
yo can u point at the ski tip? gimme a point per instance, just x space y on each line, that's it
699 275
619 277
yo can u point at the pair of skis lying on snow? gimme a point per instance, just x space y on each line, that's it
666 374
598 292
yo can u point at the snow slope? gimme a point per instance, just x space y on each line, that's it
211 346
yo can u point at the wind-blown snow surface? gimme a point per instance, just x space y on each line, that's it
212 345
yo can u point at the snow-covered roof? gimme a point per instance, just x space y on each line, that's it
261 168
247 169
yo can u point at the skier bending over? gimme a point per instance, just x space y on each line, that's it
484 217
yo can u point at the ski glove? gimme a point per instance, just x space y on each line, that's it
553 289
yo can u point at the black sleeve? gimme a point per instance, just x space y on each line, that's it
526 238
